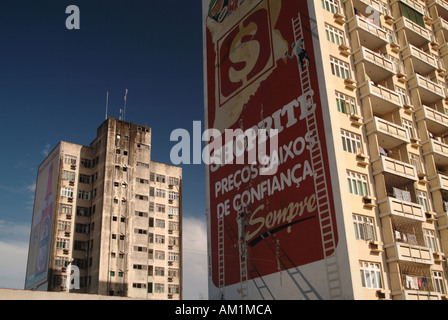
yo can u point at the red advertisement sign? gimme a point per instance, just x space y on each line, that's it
261 74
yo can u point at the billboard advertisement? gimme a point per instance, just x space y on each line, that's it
42 223
271 235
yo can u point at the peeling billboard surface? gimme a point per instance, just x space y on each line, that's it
42 225
261 73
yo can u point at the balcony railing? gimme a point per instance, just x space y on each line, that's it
438 149
383 99
379 66
423 62
395 167
430 91
401 208
390 134
415 5
400 251
372 34
416 34
437 122
439 181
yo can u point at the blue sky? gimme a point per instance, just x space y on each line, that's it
53 84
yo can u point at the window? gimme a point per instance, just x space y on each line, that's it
173 181
68 175
351 142
173 256
159 271
173 195
160 208
403 95
174 226
85 179
409 126
84 195
160 223
335 35
370 275
159 287
140 249
438 282
173 241
142 165
340 68
82 228
139 285
86 163
68 159
160 178
174 273
173 288
65 209
159 255
141 197
152 177
422 199
345 104
64 225
62 243
141 214
151 207
83 212
142 146
61 261
160 239
364 228
173 211
160 193
67 192
357 183
140 231
151 191
430 239
331 5
142 181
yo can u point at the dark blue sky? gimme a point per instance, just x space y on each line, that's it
53 83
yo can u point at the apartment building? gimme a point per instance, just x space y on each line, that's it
388 70
107 218
382 77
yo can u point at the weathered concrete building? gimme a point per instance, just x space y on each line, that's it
107 218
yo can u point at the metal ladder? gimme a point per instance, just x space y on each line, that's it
320 181
221 262
248 270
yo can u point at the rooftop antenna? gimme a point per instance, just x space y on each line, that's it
124 111
107 102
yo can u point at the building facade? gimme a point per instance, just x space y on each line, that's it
382 80
115 218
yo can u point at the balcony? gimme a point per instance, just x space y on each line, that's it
442 8
415 34
395 167
400 251
436 122
390 135
370 35
439 182
438 149
383 100
415 5
423 62
377 66
401 208
430 91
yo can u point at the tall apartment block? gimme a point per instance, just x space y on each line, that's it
374 211
107 220
388 63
